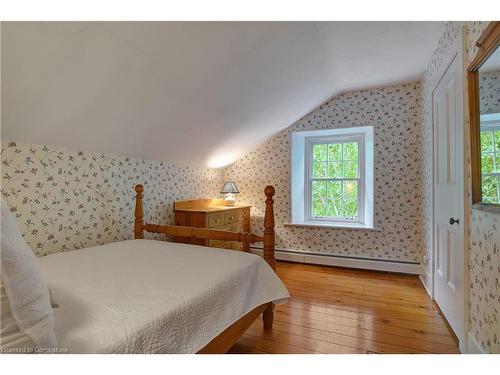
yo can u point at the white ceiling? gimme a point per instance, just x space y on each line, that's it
204 93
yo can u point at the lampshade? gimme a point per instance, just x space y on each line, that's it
229 187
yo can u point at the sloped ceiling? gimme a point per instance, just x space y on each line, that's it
194 92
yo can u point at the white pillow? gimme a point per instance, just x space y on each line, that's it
12 340
27 294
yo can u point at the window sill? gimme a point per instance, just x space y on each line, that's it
486 207
331 225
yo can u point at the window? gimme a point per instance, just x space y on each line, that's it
490 158
332 177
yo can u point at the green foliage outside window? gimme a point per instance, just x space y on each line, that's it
490 165
333 198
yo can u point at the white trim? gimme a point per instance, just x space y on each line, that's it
456 51
487 118
360 179
292 255
426 280
473 346
463 342
332 225
433 82
490 123
299 178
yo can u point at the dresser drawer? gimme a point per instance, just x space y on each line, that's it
228 218
245 215
233 217
225 244
215 220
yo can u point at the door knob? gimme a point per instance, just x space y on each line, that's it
454 221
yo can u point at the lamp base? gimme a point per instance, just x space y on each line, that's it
230 199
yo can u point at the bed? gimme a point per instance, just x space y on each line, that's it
147 296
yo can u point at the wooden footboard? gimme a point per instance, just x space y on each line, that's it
224 341
223 235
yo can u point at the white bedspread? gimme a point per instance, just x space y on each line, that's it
144 296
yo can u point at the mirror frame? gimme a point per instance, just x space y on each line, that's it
486 44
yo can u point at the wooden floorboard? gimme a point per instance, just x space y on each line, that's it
337 310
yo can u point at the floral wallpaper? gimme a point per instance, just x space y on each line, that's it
484 280
394 113
484 260
65 199
489 90
481 228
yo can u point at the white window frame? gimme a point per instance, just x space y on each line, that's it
310 142
490 123
300 160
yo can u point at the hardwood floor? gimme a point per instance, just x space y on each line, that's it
335 310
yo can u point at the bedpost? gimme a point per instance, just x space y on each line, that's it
269 228
268 314
139 212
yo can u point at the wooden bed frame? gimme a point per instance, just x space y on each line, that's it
224 341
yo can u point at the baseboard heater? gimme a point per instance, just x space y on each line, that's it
298 256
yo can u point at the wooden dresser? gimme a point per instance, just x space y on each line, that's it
213 214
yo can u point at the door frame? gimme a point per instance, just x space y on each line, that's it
456 51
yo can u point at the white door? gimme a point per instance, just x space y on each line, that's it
448 196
